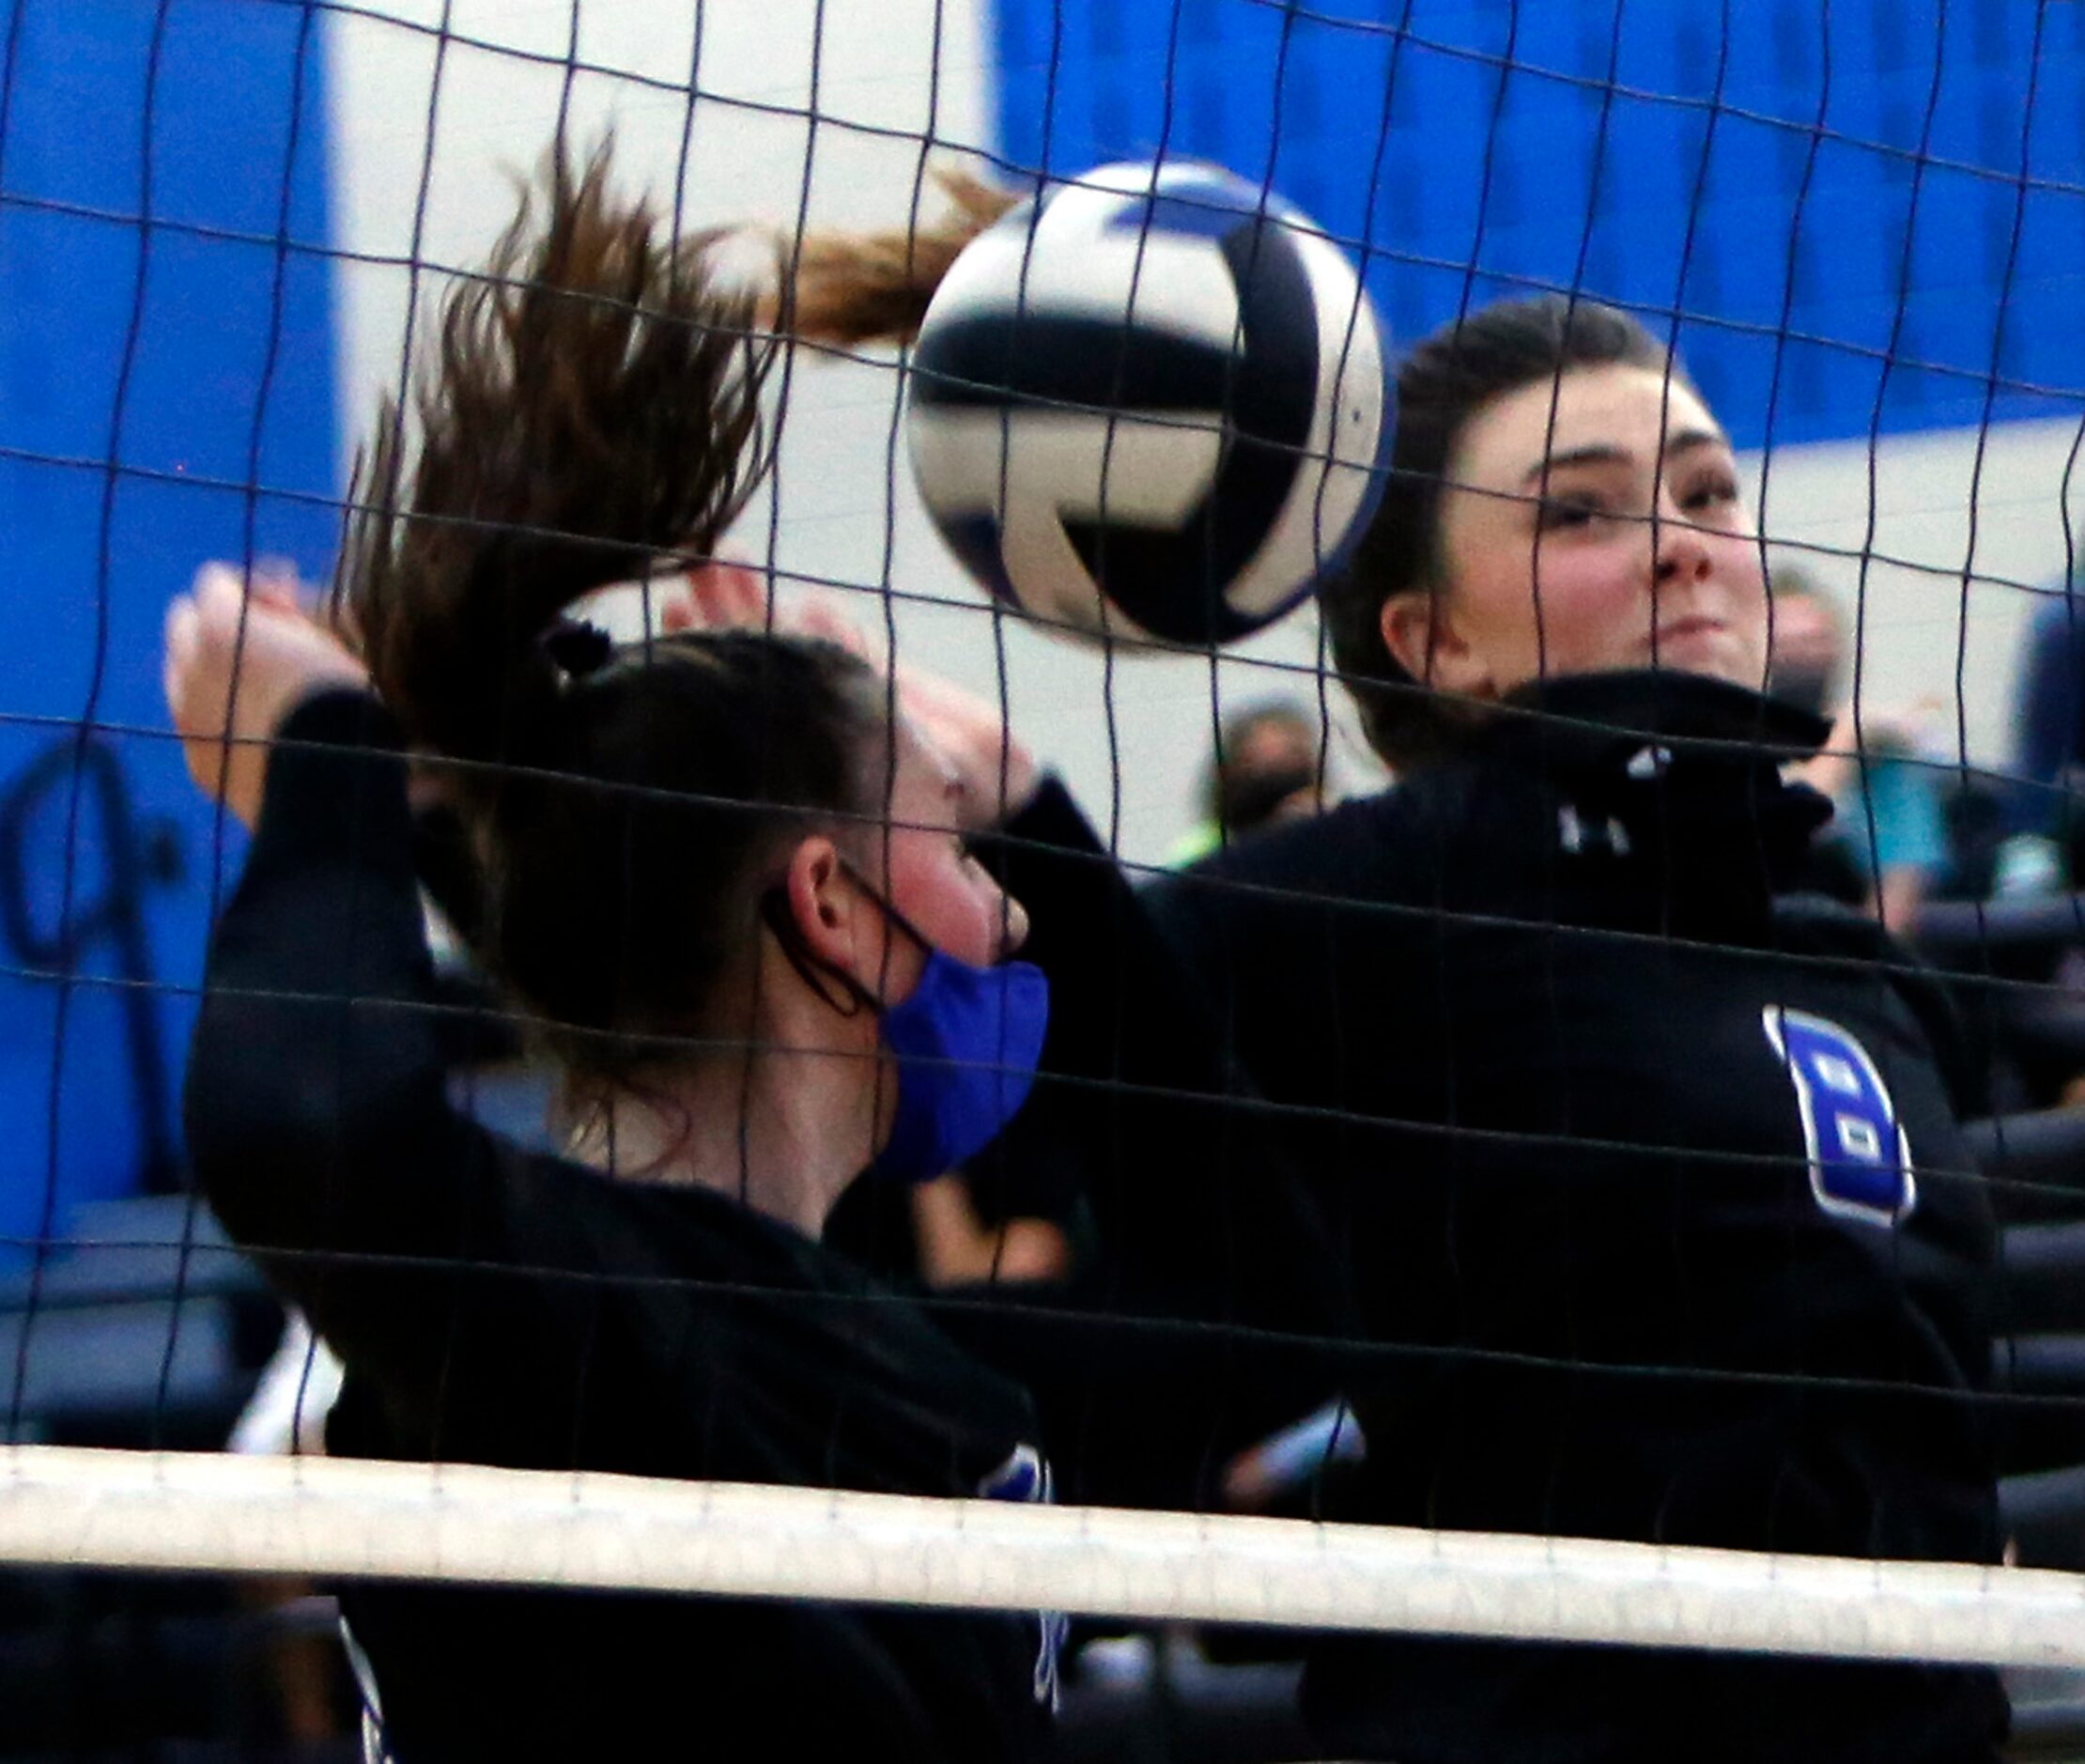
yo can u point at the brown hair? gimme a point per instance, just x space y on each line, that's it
874 287
594 402
1446 381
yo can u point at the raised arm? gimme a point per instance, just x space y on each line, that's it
1197 1321
317 1114
1206 1314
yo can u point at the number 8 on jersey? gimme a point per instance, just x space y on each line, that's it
1860 1158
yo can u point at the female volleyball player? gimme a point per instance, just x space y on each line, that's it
1651 1178
1665 1172
727 887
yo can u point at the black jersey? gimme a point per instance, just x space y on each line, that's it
1654 1185
1202 1314
497 1307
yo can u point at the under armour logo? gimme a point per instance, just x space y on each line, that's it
1576 837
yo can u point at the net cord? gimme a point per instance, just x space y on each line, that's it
329 1518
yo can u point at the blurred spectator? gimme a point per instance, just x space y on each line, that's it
2042 832
1266 769
1004 1222
1888 841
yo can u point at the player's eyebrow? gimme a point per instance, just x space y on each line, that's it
1610 453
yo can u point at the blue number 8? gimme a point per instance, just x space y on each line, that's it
1860 1158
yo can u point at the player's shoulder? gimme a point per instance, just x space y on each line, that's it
1277 886
1822 924
1357 849
567 1212
1813 925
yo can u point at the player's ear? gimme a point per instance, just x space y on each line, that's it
839 925
1420 631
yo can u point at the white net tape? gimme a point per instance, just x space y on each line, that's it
467 1524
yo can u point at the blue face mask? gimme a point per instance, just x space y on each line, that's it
967 1041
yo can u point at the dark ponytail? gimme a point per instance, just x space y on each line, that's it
1445 381
594 403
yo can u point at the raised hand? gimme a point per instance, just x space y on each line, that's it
237 663
998 771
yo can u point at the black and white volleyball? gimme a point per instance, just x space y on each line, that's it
1150 403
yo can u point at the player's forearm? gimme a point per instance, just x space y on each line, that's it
315 1061
1122 1008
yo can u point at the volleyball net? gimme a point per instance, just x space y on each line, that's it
589 1533
1860 225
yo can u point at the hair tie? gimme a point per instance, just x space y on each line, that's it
576 648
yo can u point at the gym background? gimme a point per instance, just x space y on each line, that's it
220 220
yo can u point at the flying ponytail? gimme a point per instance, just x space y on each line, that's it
593 401
852 289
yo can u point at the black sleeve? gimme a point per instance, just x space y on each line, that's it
1961 1054
1124 1013
317 1113
1202 1318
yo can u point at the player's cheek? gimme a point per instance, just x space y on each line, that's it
1738 562
949 909
1496 605
1738 565
1595 607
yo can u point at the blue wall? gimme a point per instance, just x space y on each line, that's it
1583 163
165 395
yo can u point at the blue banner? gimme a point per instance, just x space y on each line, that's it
1870 215
166 346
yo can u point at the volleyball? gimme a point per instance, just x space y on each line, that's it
1151 404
